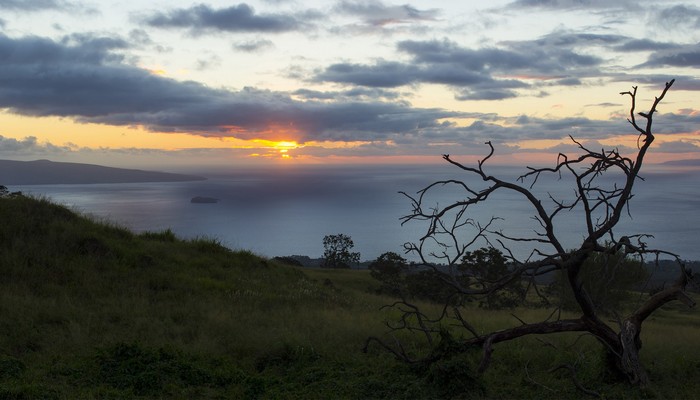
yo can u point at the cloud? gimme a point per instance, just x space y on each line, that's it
82 78
677 123
678 17
29 146
606 104
72 50
683 82
472 85
254 45
86 82
376 13
644 45
478 74
208 62
384 74
46 5
352 94
237 18
680 146
487 94
562 58
572 4
31 5
682 56
140 37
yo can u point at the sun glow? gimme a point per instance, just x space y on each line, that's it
276 148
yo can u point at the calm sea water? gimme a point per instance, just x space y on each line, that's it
286 212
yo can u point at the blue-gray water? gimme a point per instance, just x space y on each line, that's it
285 212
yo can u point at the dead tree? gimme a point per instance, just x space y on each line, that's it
599 203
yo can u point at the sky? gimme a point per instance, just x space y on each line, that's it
179 83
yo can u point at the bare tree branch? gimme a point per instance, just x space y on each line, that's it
451 231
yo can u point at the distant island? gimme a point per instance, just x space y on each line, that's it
45 172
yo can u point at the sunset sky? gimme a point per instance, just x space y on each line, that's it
176 82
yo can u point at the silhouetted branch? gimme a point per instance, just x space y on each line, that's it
452 231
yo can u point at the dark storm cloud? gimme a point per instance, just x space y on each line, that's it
376 13
86 82
237 18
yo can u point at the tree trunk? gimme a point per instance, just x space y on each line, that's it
629 359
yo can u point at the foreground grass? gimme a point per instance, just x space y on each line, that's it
91 310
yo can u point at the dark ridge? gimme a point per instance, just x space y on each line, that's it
683 163
45 172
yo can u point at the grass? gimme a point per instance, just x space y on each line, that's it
91 310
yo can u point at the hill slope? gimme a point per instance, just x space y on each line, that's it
45 172
91 310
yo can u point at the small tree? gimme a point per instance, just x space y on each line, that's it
390 269
337 252
483 267
600 203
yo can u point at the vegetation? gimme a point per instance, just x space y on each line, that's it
336 252
400 279
609 279
91 310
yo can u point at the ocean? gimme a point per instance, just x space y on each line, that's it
279 212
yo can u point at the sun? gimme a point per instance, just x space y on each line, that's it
284 147
278 148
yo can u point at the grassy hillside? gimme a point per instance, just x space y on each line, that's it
92 310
